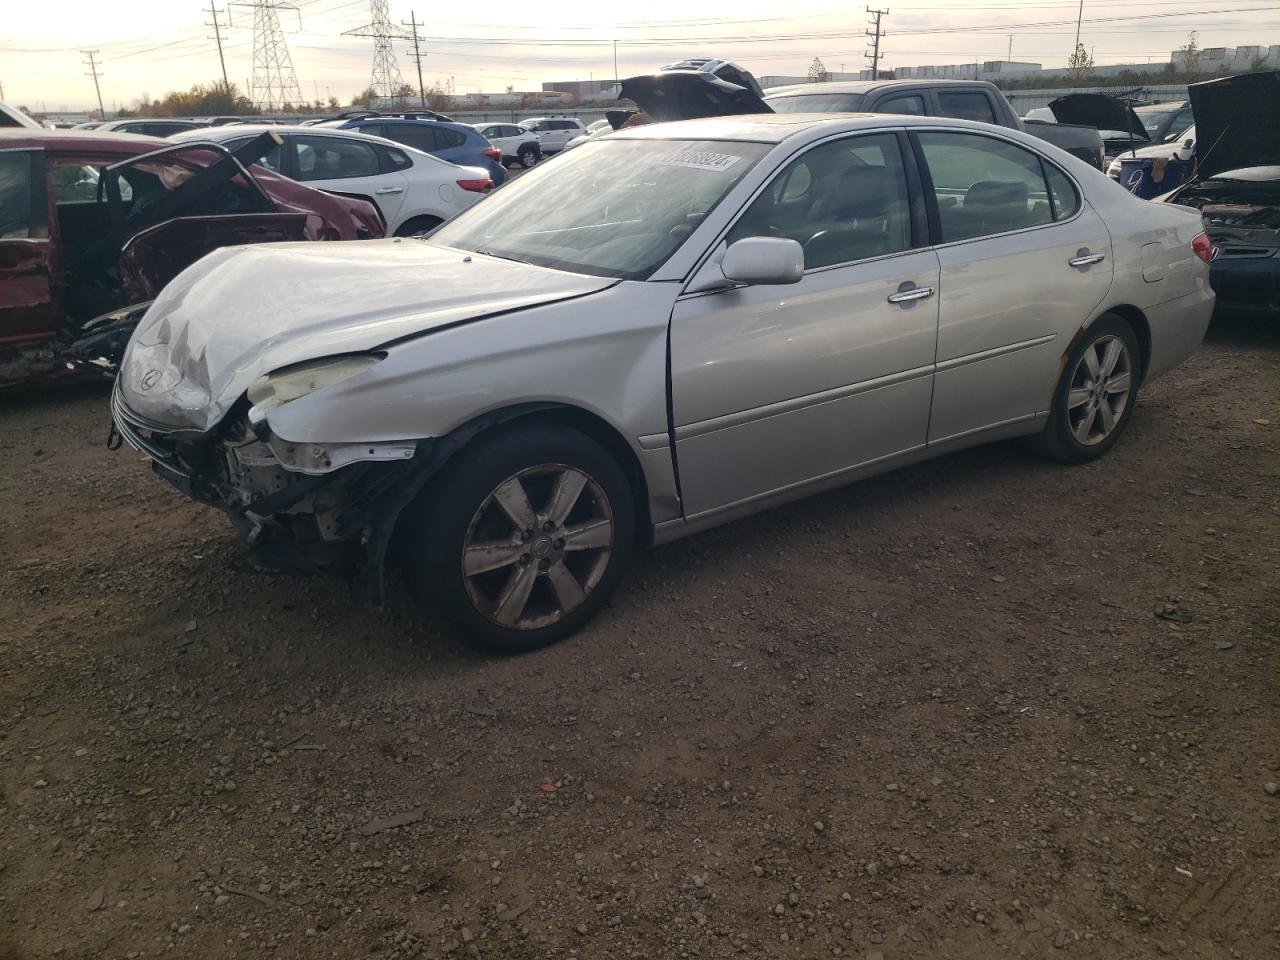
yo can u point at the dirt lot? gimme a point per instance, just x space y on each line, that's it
981 708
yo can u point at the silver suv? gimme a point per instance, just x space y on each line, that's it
554 133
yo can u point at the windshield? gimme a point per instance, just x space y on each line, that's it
1153 115
609 208
818 103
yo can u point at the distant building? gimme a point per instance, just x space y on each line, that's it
579 90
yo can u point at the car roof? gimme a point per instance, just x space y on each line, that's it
864 86
78 140
410 122
235 131
777 127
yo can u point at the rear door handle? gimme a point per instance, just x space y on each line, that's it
1087 259
389 190
912 293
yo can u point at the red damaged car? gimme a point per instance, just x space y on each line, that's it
93 225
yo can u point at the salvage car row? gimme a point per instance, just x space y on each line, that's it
672 326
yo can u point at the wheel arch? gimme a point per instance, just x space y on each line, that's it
1141 329
566 415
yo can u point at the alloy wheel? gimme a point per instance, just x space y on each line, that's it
1099 391
526 566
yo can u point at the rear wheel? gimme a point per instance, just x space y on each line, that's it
522 540
1096 395
527 155
418 226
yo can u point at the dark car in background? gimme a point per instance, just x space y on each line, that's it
1236 187
456 142
93 225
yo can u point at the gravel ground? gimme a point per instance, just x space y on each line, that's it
984 707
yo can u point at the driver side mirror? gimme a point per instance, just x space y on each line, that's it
763 261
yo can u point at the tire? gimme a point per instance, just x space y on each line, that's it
418 226
529 587
528 155
1096 395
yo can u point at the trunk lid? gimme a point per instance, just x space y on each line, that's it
1236 122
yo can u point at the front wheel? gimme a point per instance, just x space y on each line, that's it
522 540
528 156
1096 394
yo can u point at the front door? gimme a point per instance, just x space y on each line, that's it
28 307
777 387
1025 262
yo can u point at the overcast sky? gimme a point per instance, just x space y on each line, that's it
153 46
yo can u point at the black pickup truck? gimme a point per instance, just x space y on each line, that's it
964 99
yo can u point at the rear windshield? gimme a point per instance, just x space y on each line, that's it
609 208
818 103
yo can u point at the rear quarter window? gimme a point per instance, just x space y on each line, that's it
966 105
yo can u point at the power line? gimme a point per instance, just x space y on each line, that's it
94 72
875 35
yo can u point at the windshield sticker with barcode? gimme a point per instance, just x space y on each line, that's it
701 160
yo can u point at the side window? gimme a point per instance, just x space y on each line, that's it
1183 120
17 196
912 104
399 159
1062 192
966 105
420 136
536 127
984 186
374 130
842 201
329 158
450 138
72 182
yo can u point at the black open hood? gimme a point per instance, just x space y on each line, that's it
1099 111
1237 122
690 95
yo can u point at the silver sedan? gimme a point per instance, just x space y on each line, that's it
671 327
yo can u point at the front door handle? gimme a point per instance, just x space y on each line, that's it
382 190
1086 259
911 293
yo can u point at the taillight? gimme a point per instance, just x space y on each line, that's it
493 153
1204 248
476 186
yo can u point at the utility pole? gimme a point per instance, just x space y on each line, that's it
417 55
876 34
1079 17
615 63
1009 55
217 35
94 72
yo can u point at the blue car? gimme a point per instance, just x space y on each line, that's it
455 142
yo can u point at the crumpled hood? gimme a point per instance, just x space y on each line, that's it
1236 122
690 95
242 312
1100 111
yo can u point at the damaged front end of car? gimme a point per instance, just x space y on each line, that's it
303 508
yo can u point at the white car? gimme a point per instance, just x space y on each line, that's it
415 191
13 117
668 328
149 126
517 144
554 133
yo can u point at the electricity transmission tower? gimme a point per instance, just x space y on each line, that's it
876 33
386 72
95 72
274 83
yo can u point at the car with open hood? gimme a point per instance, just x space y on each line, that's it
93 225
664 329
1236 186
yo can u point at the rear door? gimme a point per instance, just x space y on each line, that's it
28 302
1025 263
347 165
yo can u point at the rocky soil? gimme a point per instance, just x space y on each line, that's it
983 707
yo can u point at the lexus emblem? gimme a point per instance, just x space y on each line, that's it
149 379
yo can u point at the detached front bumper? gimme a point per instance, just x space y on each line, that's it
324 512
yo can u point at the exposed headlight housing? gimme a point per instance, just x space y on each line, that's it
289 383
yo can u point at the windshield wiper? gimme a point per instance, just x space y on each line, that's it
489 252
